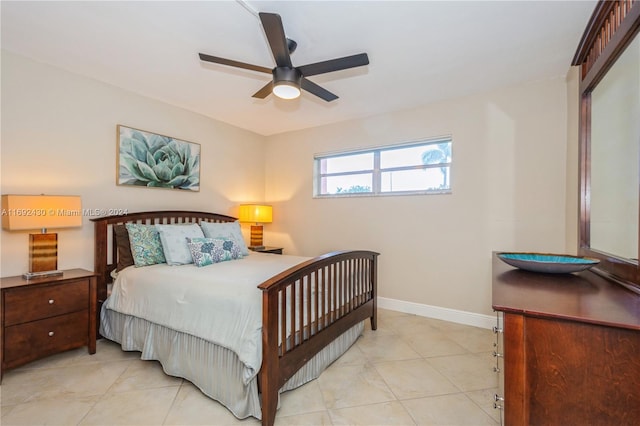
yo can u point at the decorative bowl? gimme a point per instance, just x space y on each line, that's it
548 263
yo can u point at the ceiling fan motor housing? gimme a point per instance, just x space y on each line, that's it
287 75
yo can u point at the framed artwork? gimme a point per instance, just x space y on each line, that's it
156 161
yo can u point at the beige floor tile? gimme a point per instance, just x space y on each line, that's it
144 375
388 313
385 347
59 411
408 325
447 410
5 410
353 356
319 418
349 386
25 385
302 400
434 343
474 339
468 372
192 407
139 407
384 414
484 399
448 326
414 379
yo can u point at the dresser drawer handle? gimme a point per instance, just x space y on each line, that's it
497 354
51 301
51 333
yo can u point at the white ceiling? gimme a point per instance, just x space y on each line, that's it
419 51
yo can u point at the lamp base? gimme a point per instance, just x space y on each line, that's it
43 252
43 274
256 236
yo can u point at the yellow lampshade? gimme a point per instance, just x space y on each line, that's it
255 213
26 212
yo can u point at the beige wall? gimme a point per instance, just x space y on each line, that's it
59 137
509 193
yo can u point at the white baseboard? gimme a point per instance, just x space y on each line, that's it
437 312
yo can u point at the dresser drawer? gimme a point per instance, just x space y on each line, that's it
22 305
33 340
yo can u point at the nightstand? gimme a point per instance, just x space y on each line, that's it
41 317
267 249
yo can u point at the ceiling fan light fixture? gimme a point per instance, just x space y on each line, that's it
286 82
286 90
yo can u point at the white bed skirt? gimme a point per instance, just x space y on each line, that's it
217 371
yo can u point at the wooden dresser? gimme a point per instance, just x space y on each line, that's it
571 353
41 317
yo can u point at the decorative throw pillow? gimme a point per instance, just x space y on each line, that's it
207 251
228 231
125 258
174 241
146 247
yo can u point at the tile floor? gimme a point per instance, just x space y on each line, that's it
411 371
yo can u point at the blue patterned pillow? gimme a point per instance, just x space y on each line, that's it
228 231
207 251
146 247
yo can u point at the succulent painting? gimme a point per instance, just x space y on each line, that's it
147 159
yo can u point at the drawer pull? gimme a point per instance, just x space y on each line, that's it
497 398
51 333
497 354
497 330
51 301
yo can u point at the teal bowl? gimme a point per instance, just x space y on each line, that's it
548 263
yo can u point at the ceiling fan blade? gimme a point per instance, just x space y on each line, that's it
274 31
264 92
231 63
320 92
335 64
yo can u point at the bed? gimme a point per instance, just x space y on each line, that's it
309 312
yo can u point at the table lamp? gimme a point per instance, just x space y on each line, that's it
28 212
258 214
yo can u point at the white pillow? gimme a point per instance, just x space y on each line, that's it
174 241
227 230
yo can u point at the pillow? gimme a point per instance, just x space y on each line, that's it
146 247
207 251
125 258
174 241
228 231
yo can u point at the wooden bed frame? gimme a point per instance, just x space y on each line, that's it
347 281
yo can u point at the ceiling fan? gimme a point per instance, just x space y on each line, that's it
287 79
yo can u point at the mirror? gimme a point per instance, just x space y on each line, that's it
609 58
615 157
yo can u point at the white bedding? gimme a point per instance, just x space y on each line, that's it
218 303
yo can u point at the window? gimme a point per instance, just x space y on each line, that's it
422 167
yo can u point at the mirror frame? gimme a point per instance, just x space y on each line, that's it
611 28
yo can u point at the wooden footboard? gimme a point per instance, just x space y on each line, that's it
308 306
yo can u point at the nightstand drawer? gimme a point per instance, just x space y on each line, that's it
32 303
26 342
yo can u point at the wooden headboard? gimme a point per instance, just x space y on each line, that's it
105 241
